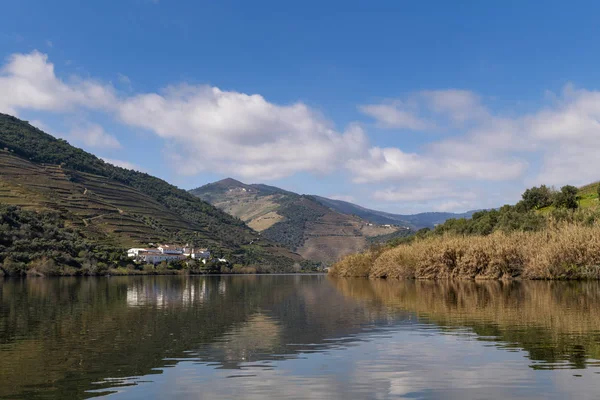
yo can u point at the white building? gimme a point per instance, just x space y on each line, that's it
136 251
166 252
196 254
170 249
156 258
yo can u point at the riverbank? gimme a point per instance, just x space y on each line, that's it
148 272
563 251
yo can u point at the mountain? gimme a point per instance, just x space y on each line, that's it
117 206
415 221
299 222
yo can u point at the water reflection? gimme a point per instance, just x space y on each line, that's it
63 336
297 337
558 323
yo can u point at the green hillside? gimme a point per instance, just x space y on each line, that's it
587 199
548 234
116 206
588 195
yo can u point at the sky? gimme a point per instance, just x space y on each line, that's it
394 105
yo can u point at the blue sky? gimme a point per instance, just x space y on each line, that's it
398 106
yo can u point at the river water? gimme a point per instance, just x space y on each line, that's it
297 337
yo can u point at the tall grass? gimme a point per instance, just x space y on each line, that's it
565 250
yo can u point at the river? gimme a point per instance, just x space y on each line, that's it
297 337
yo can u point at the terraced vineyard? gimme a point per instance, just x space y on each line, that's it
114 205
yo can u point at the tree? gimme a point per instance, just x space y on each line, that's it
537 197
598 190
567 198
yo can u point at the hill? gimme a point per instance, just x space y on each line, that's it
415 221
116 206
548 234
299 222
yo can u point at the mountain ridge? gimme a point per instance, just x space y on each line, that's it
297 221
419 220
414 221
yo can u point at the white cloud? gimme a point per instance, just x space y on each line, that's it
241 134
554 145
427 110
210 129
123 164
432 196
89 134
40 125
459 105
438 190
93 135
393 116
28 81
453 206
342 197
392 164
231 133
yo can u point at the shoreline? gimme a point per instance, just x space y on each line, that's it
143 273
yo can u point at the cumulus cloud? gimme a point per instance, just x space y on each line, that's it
206 128
433 195
554 145
422 192
93 135
28 81
241 134
427 110
392 164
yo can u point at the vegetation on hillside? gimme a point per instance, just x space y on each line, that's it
300 223
40 243
31 143
43 243
297 213
517 241
525 216
124 205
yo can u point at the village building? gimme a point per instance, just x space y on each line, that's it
135 252
152 257
167 252
170 249
196 254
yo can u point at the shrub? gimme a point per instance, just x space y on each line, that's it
566 198
12 267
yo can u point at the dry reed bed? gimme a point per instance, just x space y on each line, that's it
562 251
